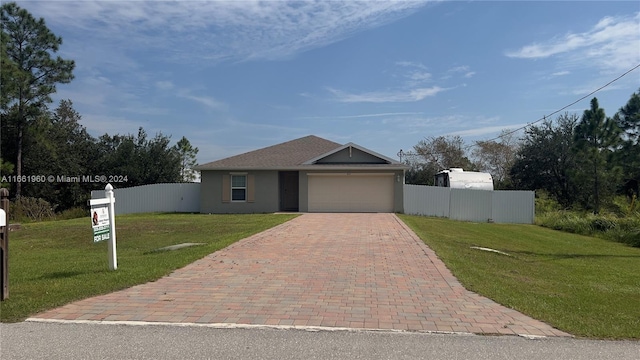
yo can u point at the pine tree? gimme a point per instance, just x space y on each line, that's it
596 138
187 159
628 119
29 74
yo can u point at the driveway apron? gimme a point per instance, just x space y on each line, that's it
362 271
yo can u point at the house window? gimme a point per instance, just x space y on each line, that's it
238 187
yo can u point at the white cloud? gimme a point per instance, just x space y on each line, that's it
611 44
419 76
464 70
116 39
588 87
421 93
409 95
98 124
94 91
413 64
420 123
208 101
412 88
561 73
220 30
394 114
416 74
449 125
459 69
485 130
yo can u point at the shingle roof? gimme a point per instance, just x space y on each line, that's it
288 154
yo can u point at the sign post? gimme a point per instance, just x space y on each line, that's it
4 244
103 222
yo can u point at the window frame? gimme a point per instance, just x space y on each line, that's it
245 187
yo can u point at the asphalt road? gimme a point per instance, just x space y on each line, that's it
30 340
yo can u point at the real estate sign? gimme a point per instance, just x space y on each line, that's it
100 222
103 223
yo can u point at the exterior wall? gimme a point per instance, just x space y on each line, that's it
398 199
266 192
398 191
303 191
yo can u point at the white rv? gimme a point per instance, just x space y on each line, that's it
456 178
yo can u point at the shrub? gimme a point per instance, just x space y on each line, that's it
608 226
627 231
73 213
602 224
624 206
30 209
569 221
629 237
545 204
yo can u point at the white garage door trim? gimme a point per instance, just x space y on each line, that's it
351 192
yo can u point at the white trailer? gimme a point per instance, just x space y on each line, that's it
456 178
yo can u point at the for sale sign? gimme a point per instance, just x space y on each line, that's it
100 222
103 223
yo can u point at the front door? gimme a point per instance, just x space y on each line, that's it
289 191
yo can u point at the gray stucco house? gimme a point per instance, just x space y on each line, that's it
309 174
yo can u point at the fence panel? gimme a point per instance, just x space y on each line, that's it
516 207
426 200
470 205
181 197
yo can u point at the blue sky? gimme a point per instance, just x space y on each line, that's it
237 76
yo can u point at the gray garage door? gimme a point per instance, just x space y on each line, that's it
350 192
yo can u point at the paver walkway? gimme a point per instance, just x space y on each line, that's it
367 271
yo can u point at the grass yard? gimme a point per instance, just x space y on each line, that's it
53 263
586 286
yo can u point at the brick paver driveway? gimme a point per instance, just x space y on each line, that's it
365 271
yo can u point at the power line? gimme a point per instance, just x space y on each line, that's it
544 117
567 106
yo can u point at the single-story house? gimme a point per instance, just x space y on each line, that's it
309 174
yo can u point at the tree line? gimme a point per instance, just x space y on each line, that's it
39 143
434 154
580 161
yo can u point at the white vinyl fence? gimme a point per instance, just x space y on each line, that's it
517 207
181 197
459 204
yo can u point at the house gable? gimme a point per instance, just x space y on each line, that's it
351 154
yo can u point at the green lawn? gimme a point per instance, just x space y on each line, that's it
55 262
586 286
